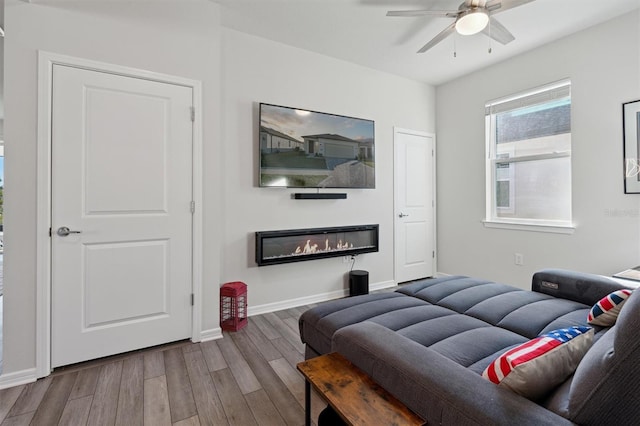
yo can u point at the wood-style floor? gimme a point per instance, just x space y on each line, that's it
247 378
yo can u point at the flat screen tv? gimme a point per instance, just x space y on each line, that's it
309 149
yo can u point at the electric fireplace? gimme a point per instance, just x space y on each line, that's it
294 245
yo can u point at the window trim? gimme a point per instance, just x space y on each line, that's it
545 93
528 225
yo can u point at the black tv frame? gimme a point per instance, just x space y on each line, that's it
266 133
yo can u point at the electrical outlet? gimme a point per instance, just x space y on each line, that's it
518 259
346 259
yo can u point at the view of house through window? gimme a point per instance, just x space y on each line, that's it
529 157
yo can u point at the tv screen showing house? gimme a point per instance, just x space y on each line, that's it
309 149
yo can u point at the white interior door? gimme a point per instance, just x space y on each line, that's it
414 209
121 183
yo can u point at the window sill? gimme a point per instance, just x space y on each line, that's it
527 226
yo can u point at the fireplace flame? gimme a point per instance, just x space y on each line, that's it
309 248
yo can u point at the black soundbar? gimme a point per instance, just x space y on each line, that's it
323 196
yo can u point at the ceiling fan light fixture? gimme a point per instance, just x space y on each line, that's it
472 21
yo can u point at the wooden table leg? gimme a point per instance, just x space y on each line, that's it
307 403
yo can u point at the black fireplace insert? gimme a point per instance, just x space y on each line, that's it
294 245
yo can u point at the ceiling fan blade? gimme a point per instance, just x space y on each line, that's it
437 39
498 32
413 13
498 6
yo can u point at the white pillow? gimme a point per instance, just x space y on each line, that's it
535 367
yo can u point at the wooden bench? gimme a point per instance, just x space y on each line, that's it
352 394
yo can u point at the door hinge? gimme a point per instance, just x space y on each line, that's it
193 207
49 232
433 254
192 299
193 113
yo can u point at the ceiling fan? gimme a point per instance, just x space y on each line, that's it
471 17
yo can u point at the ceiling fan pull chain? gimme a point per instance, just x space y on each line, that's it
455 50
489 35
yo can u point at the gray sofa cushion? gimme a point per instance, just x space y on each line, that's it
606 386
318 325
545 315
523 312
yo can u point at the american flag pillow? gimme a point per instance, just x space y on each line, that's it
605 312
535 367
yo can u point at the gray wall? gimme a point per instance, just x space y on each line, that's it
258 70
603 65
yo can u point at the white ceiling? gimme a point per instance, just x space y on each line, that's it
358 31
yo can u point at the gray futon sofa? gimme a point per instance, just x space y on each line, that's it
429 342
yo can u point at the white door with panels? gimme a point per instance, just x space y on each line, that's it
414 205
121 213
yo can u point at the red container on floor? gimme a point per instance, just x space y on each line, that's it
233 306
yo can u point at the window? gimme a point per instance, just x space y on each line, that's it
529 159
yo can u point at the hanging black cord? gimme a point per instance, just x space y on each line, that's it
490 35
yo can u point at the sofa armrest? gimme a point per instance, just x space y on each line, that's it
577 286
434 387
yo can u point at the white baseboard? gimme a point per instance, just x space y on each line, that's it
306 300
292 303
17 378
211 334
382 285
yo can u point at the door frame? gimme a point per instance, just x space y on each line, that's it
46 61
396 132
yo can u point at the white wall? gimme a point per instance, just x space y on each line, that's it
238 71
256 70
181 39
603 65
1 72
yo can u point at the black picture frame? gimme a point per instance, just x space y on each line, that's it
631 146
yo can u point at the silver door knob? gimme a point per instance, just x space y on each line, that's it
403 215
63 231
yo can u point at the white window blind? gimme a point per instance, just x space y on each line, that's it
546 94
